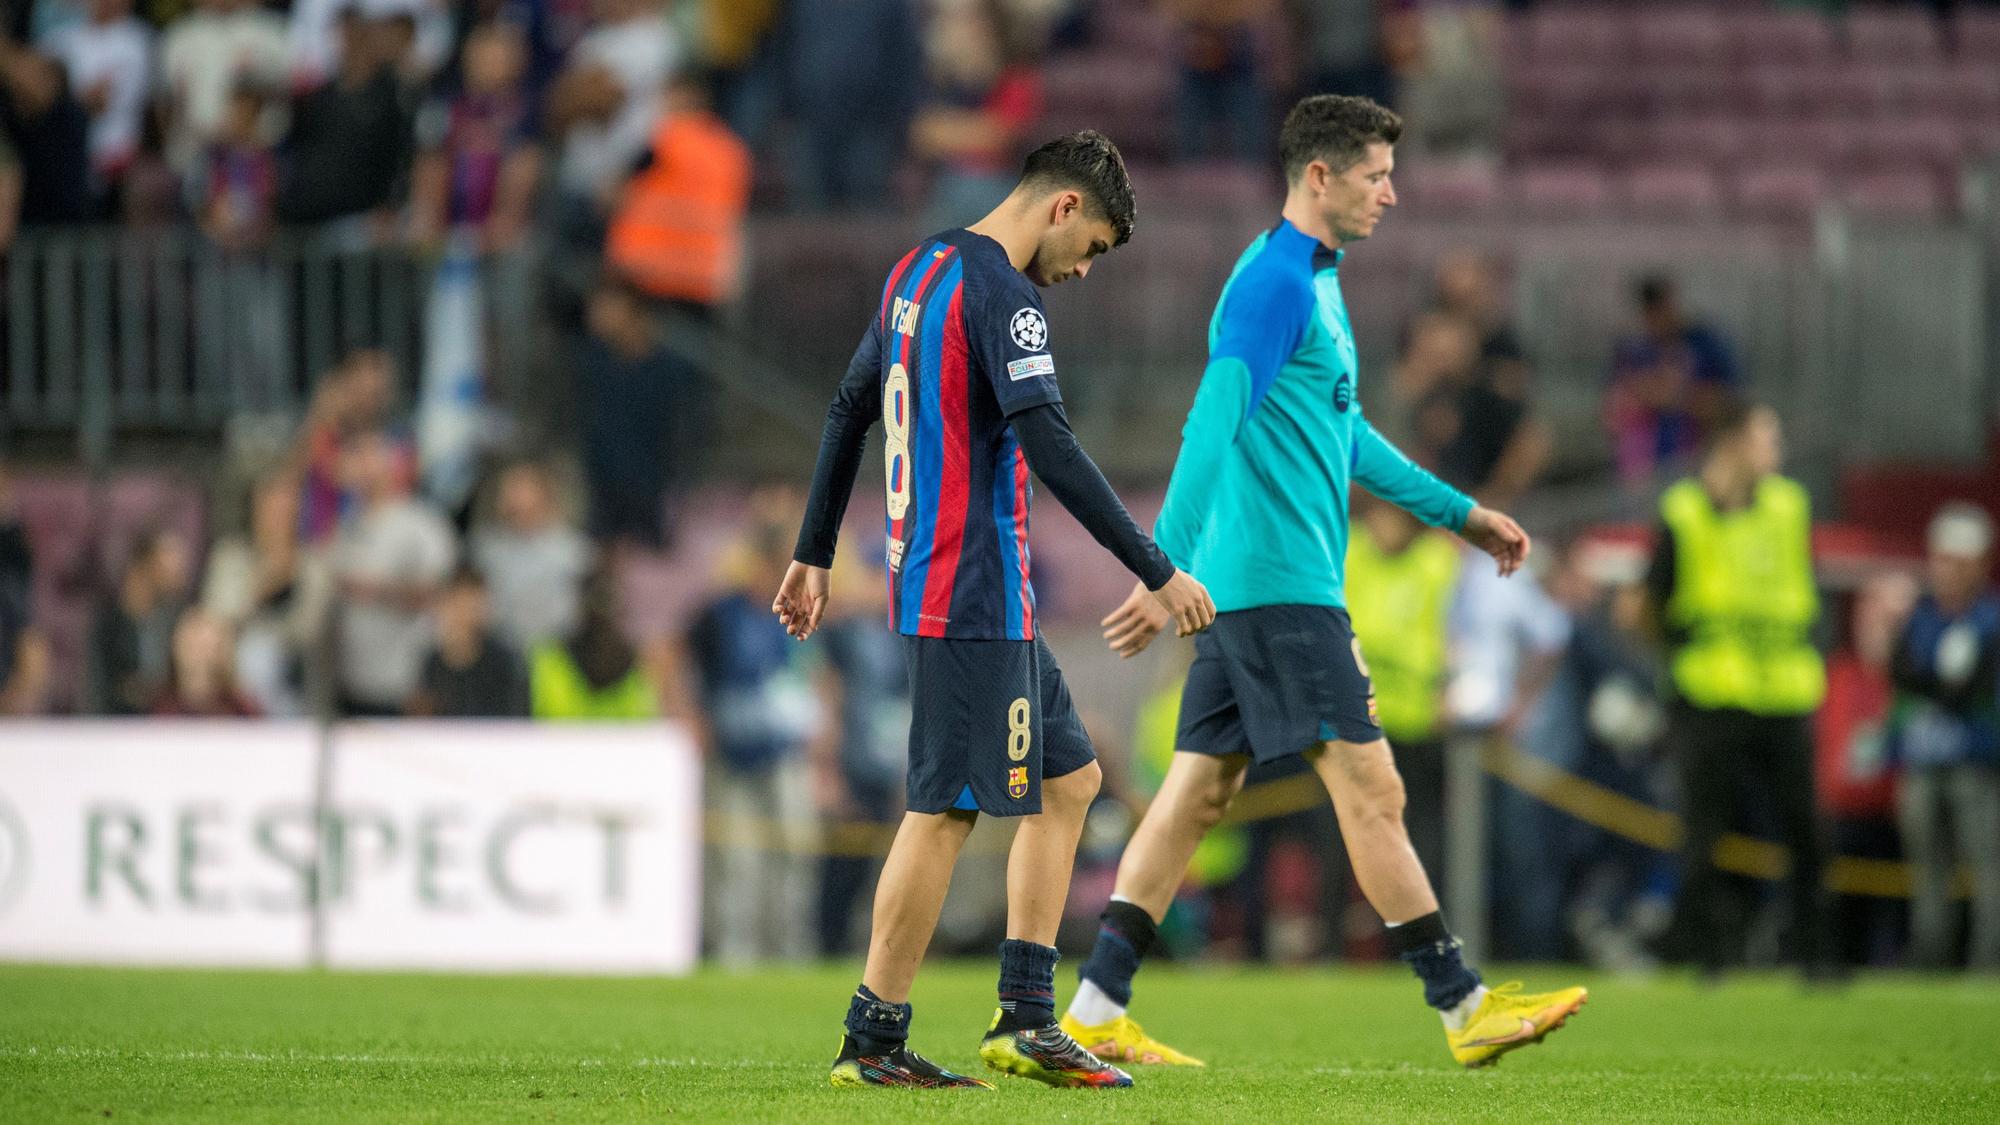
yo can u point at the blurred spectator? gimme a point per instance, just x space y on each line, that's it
1343 45
639 427
23 651
242 175
1448 61
534 561
1669 384
480 160
603 106
207 59
277 595
855 81
1401 581
758 711
742 56
595 674
1946 669
1225 110
983 98
354 398
131 637
202 682
389 559
350 141
1497 449
48 133
677 234
470 673
1731 579
1857 787
1508 642
858 771
1601 720
109 61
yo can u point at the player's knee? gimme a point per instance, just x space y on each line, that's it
1210 804
1073 791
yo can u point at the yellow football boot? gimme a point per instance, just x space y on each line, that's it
1508 1018
1123 1040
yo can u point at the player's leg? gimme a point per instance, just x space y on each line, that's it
1047 740
1203 778
1359 772
915 876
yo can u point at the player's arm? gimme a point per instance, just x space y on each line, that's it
1382 469
801 599
1068 472
1261 324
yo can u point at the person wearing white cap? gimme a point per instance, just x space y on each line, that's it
1946 733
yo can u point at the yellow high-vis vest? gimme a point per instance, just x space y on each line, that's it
1743 592
1400 606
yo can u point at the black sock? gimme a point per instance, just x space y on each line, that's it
1435 956
877 1025
1027 984
1124 934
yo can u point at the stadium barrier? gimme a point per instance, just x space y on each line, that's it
1577 797
407 845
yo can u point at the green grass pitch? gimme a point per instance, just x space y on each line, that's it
1284 1046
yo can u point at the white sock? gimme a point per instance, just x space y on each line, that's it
1092 1007
1459 1014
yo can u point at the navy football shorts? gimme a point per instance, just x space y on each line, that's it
989 721
1275 681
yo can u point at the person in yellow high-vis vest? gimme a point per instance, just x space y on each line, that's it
1401 582
1732 585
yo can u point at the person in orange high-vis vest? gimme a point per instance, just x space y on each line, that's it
678 233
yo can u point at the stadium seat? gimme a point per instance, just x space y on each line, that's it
1449 187
1563 189
1975 35
1676 92
1780 192
1827 142
1684 37
1671 191
1972 90
1780 90
1924 144
1906 35
1900 194
1714 140
1557 35
1766 37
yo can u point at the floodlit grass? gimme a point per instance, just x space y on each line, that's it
1284 1046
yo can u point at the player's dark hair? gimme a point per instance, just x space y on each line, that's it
1731 419
1336 129
1088 162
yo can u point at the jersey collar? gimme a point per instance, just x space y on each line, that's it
1291 237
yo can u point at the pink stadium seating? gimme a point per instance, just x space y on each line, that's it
1563 189
1761 36
1558 35
1450 187
1911 194
1926 145
1714 140
1975 35
1671 191
1791 193
1685 37
1907 34
1972 90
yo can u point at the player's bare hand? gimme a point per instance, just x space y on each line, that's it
1498 535
1187 604
1134 624
801 600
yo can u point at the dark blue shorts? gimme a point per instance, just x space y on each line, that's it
989 720
1275 681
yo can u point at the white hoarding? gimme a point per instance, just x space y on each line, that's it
513 847
182 843
485 847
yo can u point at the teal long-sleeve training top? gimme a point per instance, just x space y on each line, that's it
1257 505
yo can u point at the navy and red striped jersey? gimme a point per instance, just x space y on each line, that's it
959 345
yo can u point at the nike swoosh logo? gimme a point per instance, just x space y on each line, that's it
1527 1032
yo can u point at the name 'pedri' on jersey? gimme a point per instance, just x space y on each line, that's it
960 344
